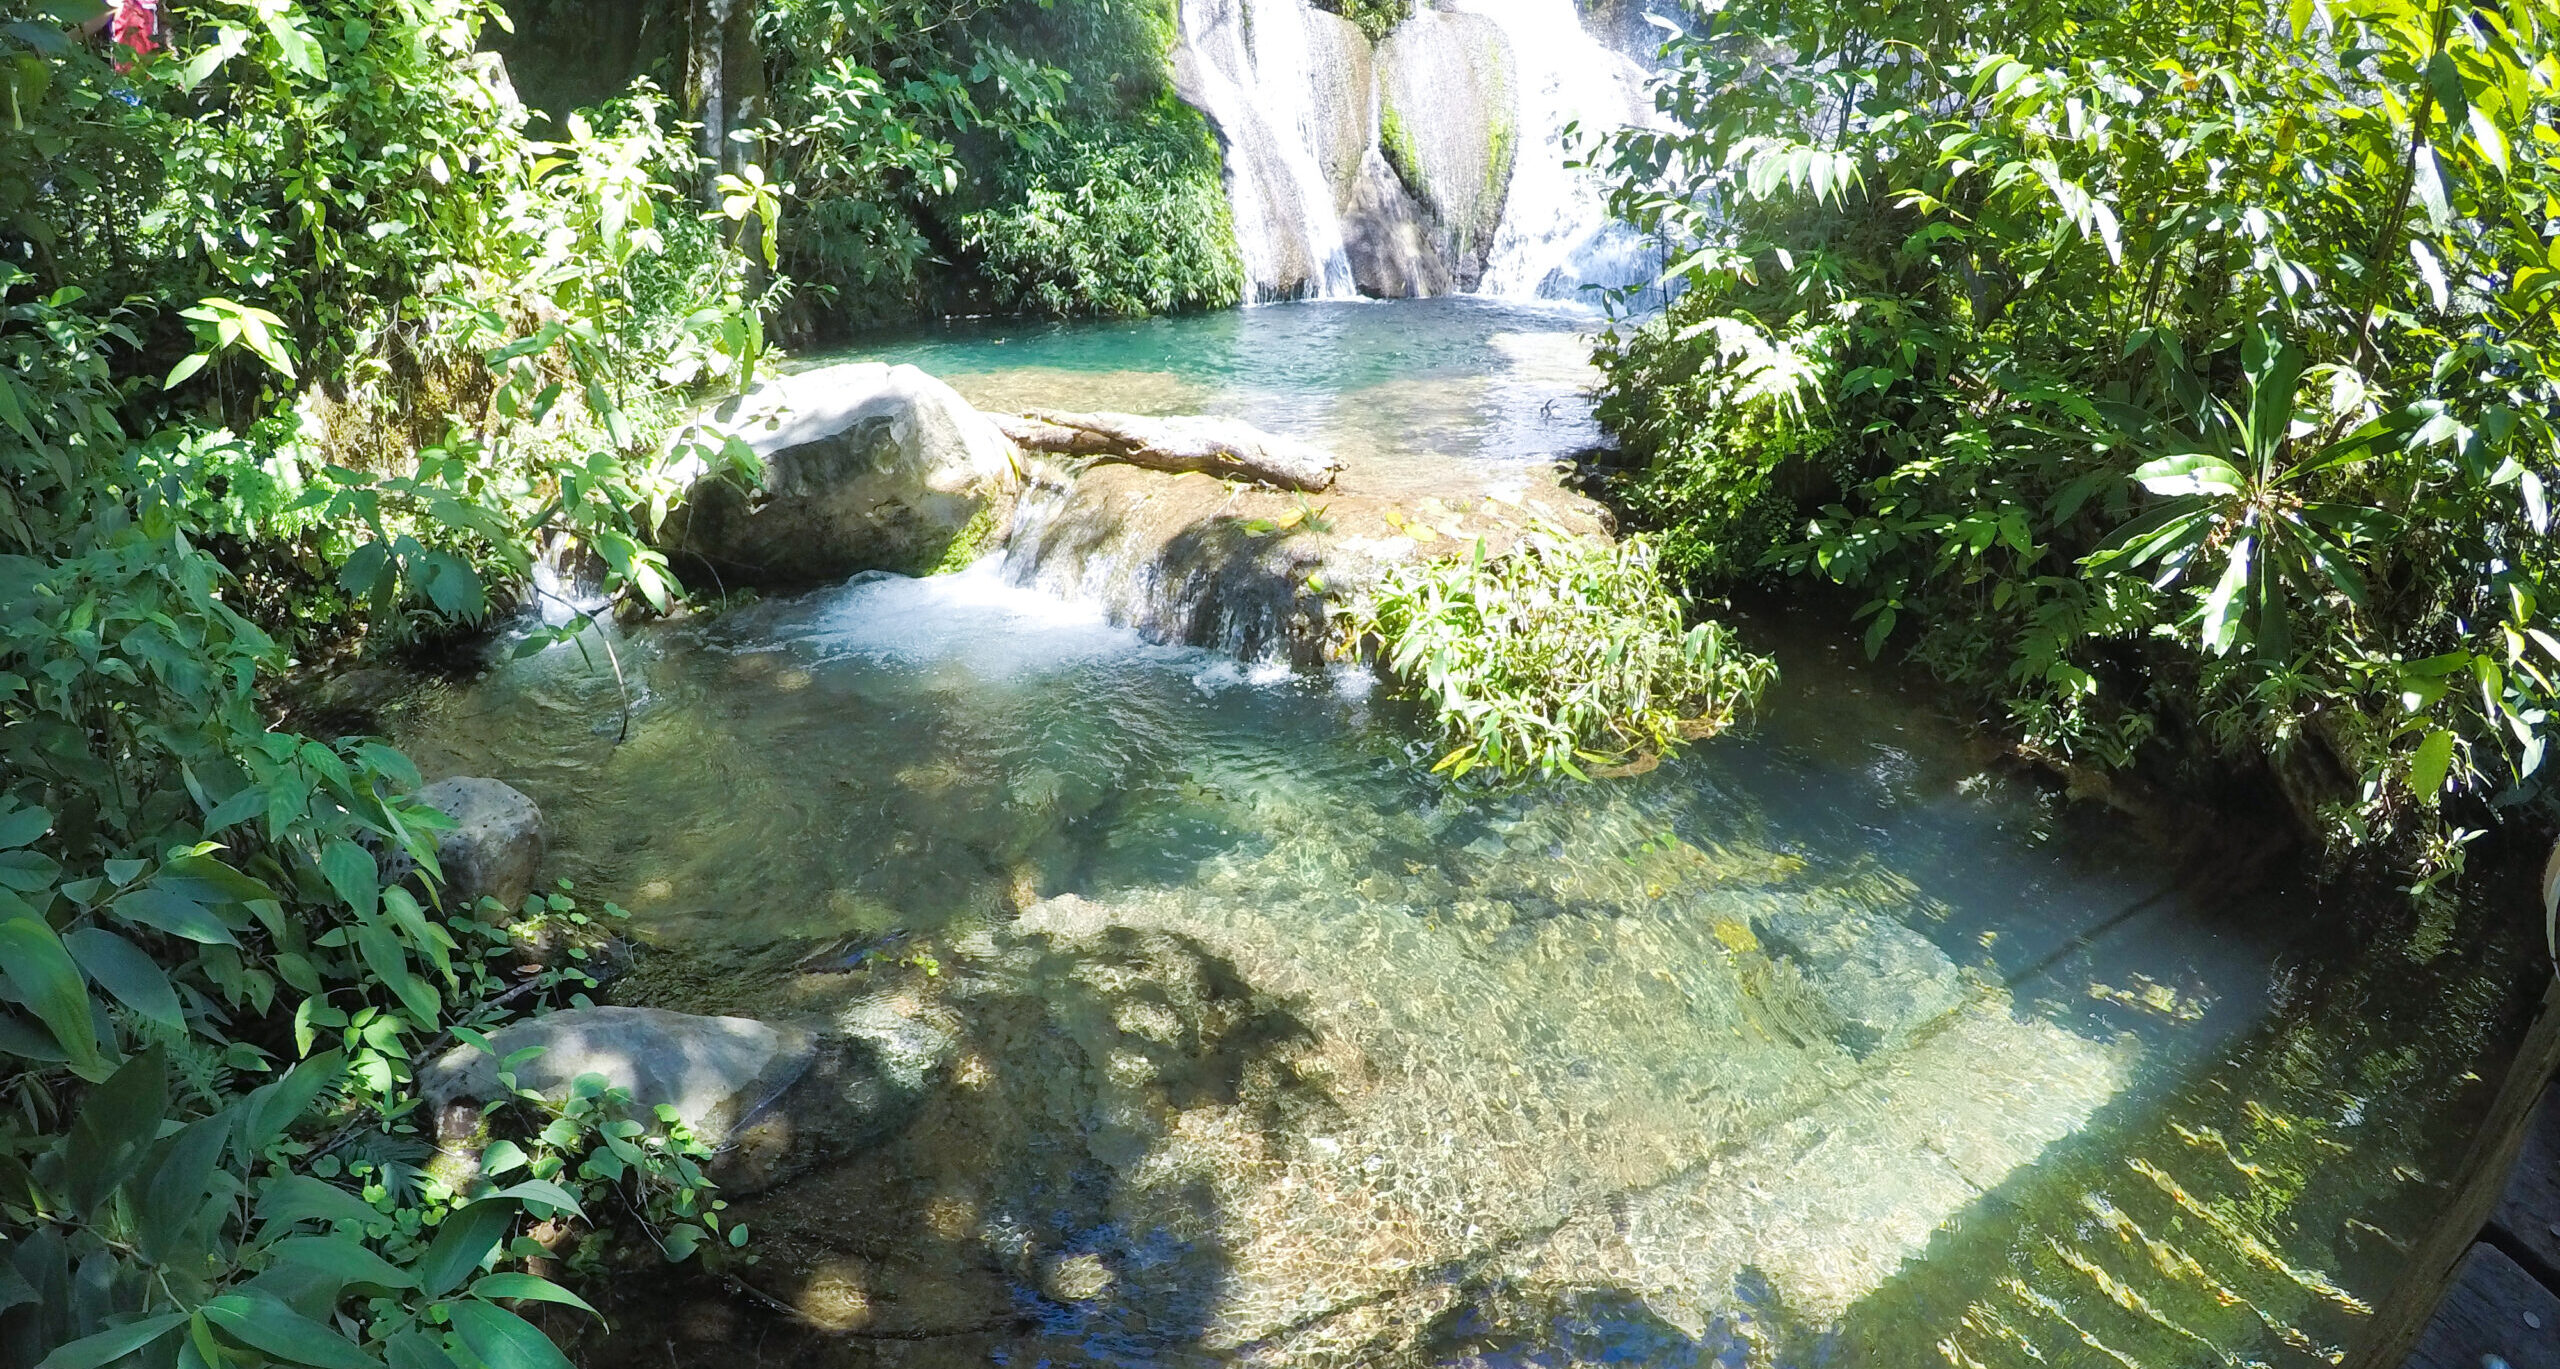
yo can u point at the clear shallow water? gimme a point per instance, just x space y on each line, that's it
1822 1046
1461 376
1319 1062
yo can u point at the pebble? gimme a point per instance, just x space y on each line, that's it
2533 1321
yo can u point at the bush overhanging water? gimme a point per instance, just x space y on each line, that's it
1560 654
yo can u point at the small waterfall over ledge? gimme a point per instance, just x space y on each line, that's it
1431 164
1253 71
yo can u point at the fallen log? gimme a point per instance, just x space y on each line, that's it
1222 447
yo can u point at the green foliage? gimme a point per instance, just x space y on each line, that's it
965 155
234 276
2165 371
1120 220
1560 653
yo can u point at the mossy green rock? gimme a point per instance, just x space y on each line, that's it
1449 123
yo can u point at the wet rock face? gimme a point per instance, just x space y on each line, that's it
1190 560
1875 980
867 467
1449 124
1395 254
495 845
1344 68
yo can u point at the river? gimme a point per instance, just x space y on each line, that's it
1833 1042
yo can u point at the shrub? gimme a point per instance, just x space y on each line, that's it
1558 654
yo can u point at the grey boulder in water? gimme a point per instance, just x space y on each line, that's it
866 467
769 1099
1449 124
495 844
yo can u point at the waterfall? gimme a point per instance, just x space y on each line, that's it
1556 234
1253 74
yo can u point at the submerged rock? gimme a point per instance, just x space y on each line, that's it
1190 560
1449 123
875 1065
495 844
1879 980
867 467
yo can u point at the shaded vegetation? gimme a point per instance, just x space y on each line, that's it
942 157
309 348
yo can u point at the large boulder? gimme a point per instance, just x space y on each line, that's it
867 467
495 845
1394 251
769 1099
1449 124
1258 573
716 1072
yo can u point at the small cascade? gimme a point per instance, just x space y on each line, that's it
1556 236
1254 74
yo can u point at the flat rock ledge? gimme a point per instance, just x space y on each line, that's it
1259 573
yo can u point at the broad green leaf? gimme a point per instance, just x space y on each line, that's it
2221 607
44 978
345 1256
22 825
2430 765
262 1323
542 1193
124 971
504 1340
112 1344
462 1242
416 1350
275 1106
352 874
118 1122
292 1198
529 1288
168 911
181 1186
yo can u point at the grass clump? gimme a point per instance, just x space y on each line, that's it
1561 653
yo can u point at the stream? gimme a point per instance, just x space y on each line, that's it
1831 1043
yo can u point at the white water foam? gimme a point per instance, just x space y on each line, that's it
1556 236
1253 75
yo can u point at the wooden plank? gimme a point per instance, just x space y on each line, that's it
2494 1312
2479 1183
2528 1213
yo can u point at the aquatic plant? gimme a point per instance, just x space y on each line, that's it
1559 654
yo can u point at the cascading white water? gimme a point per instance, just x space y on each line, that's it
1253 75
1556 235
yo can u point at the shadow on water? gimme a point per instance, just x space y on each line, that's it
1022 1217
